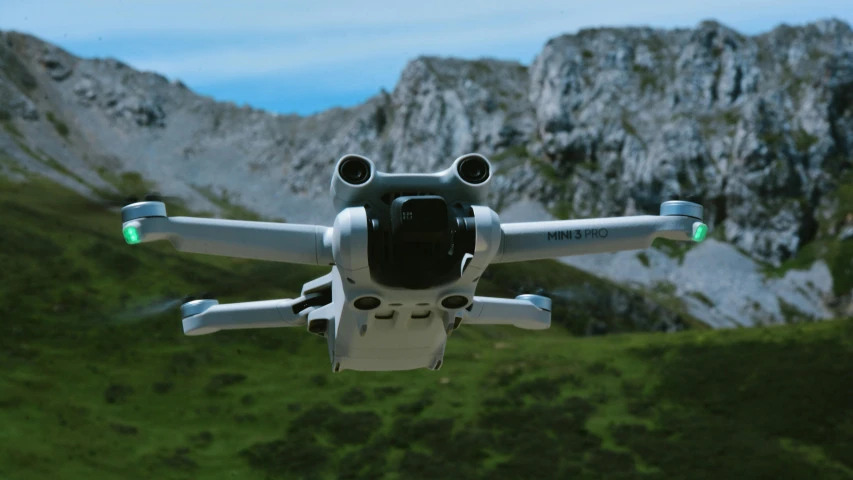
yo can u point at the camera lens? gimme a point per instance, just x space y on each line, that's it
354 170
474 169
367 303
456 301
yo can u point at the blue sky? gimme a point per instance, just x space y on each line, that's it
306 56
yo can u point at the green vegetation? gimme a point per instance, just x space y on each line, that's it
26 149
55 165
14 69
59 125
579 297
133 184
791 313
481 68
11 165
702 298
804 140
229 208
10 128
87 392
837 254
773 139
45 159
673 249
648 78
718 73
126 182
731 116
510 156
562 210
625 120
553 173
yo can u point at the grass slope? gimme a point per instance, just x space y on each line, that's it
83 395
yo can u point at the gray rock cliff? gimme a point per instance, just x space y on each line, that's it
604 122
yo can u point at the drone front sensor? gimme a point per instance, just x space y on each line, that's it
406 253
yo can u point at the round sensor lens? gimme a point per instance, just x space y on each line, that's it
355 171
456 301
367 303
474 170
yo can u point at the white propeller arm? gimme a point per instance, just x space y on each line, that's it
561 238
202 317
530 312
280 242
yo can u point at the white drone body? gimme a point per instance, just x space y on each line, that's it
406 252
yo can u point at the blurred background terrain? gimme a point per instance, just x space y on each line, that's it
97 380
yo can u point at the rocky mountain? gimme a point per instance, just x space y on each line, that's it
604 122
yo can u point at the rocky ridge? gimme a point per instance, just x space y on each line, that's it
604 122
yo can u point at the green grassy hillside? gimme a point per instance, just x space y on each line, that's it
90 392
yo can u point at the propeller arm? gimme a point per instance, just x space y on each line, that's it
679 220
202 317
281 242
530 312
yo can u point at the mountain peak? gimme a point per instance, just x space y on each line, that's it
603 122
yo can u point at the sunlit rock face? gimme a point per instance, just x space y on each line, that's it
759 129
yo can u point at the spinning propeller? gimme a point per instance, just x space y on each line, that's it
150 308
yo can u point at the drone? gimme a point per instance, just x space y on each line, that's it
406 252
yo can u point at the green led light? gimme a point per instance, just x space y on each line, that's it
699 232
131 235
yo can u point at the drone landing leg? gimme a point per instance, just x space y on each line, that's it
530 312
201 317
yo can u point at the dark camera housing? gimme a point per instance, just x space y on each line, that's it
423 218
420 242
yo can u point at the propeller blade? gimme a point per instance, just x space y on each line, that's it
143 310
